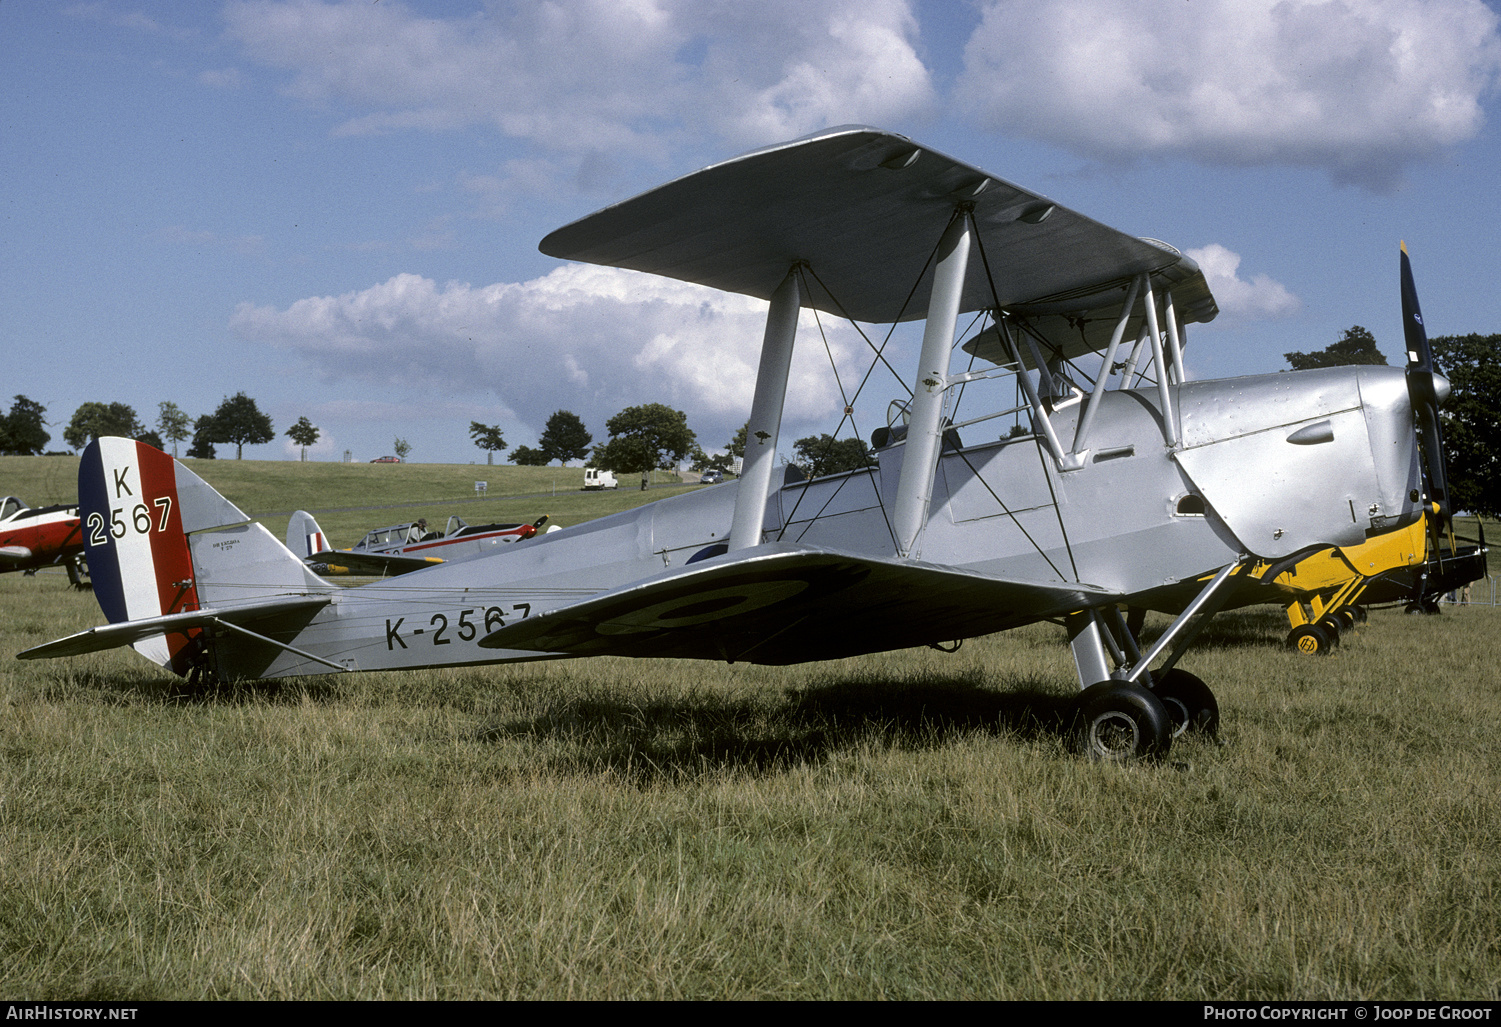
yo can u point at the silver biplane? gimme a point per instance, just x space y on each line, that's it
1099 495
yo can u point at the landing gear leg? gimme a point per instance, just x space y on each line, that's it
1119 711
78 573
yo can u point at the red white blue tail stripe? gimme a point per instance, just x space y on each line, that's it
133 536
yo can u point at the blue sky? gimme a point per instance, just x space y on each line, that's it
335 207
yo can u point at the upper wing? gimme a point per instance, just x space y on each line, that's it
865 209
1071 327
791 604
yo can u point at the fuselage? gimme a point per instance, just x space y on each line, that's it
38 537
464 543
1267 466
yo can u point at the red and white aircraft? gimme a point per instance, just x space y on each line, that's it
398 549
41 537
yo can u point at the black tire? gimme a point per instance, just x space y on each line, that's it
1331 627
1359 613
1345 617
1190 704
1117 722
1310 639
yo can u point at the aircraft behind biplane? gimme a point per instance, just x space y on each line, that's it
35 537
962 528
401 548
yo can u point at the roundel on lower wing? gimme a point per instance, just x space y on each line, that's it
702 607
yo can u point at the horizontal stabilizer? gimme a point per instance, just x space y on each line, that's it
112 636
791 604
345 561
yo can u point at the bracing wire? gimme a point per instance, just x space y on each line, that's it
1052 493
880 358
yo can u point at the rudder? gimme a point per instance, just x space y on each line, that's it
304 538
161 541
133 536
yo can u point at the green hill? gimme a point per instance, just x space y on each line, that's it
350 499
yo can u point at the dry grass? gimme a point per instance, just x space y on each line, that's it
906 826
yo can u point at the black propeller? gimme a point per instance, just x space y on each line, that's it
1427 391
1484 553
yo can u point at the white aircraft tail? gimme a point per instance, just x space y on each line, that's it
304 537
161 541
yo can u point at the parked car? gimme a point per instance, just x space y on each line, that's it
597 479
711 478
386 460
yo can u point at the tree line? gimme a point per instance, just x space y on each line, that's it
654 436
237 422
642 438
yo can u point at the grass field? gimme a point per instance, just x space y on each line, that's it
901 826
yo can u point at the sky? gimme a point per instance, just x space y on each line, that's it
335 207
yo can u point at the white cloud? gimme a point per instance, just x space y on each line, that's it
1259 298
589 339
777 71
598 76
1357 88
326 448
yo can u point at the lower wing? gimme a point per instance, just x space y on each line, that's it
796 604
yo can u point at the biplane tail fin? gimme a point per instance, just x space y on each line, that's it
161 542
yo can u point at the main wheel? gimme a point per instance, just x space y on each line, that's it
1117 721
1310 639
1332 627
1190 704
